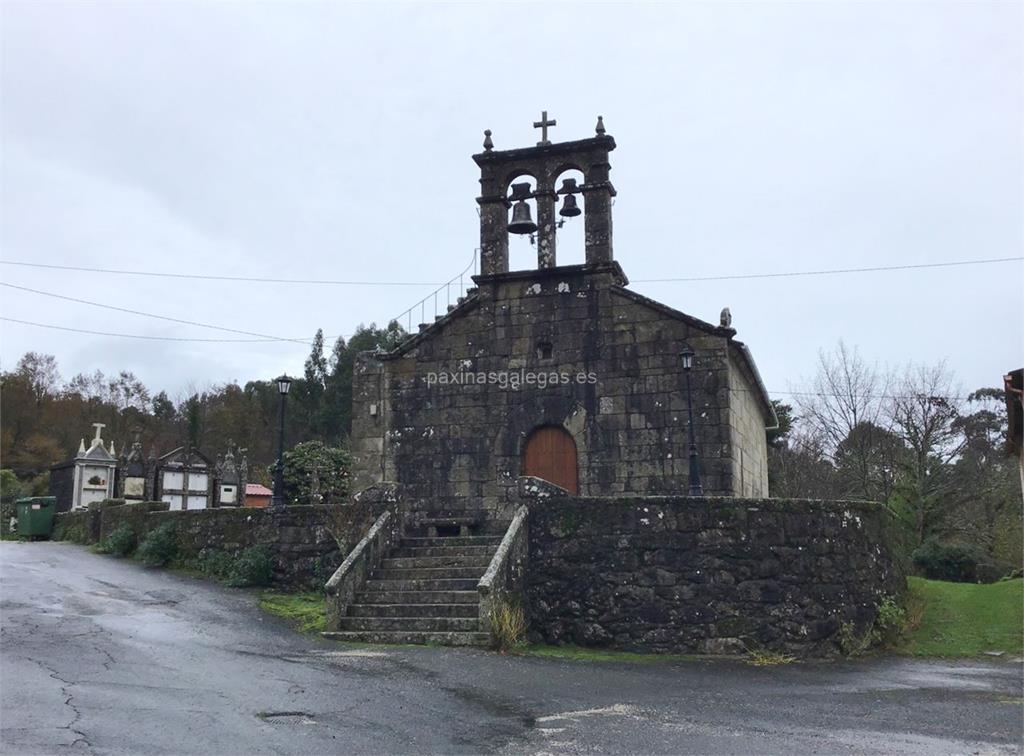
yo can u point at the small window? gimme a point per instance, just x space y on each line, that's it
544 350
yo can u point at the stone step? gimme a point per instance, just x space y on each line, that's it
419 597
431 562
428 573
421 624
454 541
485 528
443 551
413 610
402 636
421 584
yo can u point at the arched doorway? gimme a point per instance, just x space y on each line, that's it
550 454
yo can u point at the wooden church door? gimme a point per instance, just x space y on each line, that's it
550 454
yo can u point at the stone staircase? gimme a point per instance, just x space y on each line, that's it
425 588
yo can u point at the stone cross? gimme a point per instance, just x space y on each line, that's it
543 124
99 427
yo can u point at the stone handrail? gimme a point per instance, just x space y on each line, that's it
350 577
505 573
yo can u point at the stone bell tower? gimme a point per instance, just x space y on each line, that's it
544 163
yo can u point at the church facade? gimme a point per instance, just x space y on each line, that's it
558 372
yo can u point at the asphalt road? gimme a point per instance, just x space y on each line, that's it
99 655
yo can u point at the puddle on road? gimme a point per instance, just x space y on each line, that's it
287 717
354 654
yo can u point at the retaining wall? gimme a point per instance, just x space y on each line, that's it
303 540
706 575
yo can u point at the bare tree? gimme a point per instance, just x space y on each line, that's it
924 410
844 408
41 374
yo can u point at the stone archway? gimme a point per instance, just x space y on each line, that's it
550 454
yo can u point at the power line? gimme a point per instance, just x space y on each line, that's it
858 396
271 340
150 315
837 271
332 282
139 336
200 277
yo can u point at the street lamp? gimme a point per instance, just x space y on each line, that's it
277 500
695 487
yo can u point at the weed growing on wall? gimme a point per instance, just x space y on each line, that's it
508 625
762 657
889 624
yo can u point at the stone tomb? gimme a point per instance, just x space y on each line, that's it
88 477
184 479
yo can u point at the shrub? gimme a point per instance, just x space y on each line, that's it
957 562
120 543
73 533
216 563
889 622
508 625
160 546
253 566
315 473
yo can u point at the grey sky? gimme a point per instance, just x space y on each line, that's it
334 141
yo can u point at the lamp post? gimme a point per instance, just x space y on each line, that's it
277 500
695 487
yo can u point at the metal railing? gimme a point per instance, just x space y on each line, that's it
458 284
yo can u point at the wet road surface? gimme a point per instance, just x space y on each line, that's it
99 655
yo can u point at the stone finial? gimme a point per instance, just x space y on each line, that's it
81 446
112 452
599 129
725 319
488 143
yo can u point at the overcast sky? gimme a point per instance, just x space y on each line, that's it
332 141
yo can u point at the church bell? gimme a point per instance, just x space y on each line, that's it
521 223
569 207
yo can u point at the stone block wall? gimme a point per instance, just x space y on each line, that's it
303 540
687 575
465 441
748 448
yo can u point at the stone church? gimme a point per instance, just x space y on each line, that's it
562 374
559 372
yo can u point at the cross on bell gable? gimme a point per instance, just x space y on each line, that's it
543 124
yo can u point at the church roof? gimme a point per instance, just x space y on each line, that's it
473 299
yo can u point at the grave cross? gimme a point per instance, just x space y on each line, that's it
543 124
99 427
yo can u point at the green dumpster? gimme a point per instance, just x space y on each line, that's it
35 516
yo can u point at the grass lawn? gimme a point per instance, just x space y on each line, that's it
303 610
965 619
